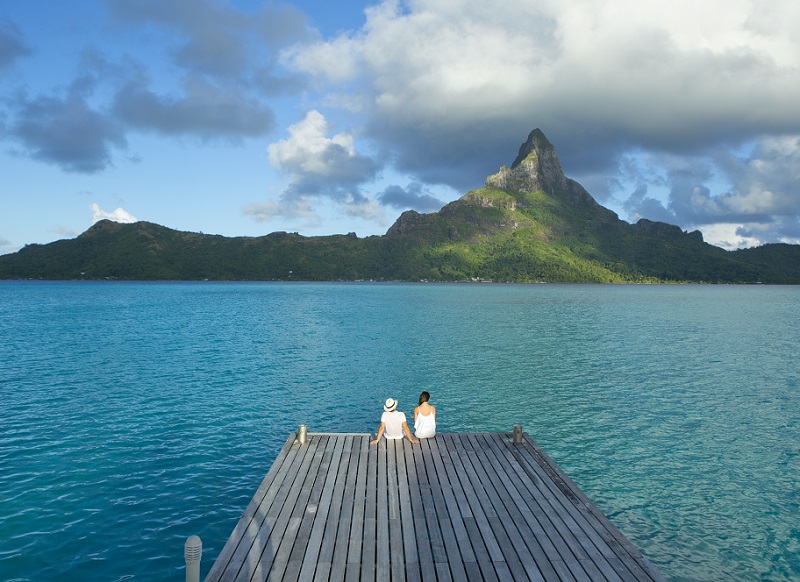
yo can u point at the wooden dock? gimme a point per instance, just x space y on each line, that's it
456 507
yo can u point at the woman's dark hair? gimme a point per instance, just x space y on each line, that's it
424 397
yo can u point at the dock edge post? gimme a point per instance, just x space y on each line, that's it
192 553
517 434
302 434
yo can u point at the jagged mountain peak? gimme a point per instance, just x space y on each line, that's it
537 143
536 167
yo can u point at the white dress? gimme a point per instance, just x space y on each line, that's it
425 426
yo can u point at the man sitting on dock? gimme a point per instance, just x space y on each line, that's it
393 423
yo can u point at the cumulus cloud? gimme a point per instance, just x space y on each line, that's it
210 31
217 39
12 44
413 196
219 76
204 110
364 208
320 167
68 127
767 180
449 90
315 160
757 204
65 130
649 104
118 215
226 60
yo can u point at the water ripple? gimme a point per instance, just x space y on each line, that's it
135 415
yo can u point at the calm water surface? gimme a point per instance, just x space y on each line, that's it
133 415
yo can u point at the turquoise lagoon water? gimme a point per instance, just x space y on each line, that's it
133 415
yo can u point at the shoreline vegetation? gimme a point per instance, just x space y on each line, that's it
528 224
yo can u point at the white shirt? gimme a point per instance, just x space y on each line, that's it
393 424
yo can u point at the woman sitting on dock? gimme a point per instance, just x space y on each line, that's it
424 418
393 422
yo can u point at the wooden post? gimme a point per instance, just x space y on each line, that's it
517 434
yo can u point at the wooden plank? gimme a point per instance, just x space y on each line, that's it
428 506
424 549
384 452
520 513
456 507
506 563
247 526
517 556
353 570
323 516
550 516
289 557
434 464
610 534
452 492
247 555
357 521
559 512
281 531
492 563
338 545
462 492
427 571
369 541
572 514
411 570
396 566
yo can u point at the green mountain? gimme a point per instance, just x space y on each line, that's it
528 223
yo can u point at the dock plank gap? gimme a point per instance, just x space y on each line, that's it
466 506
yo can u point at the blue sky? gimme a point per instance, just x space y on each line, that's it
244 117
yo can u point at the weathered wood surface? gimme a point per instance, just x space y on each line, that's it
456 507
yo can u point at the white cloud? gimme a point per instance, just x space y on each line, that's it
449 89
118 215
205 109
321 169
308 155
366 209
336 60
737 236
767 181
412 196
643 66
736 199
727 235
